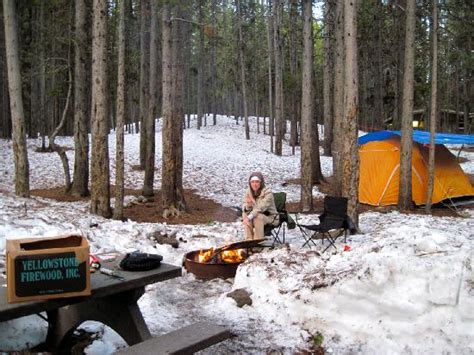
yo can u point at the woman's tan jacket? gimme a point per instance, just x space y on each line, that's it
264 203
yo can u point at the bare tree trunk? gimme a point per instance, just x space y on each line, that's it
179 30
20 152
52 103
328 76
399 54
4 117
456 95
279 111
189 81
365 81
405 190
338 105
315 155
200 89
172 141
34 90
144 77
121 81
100 185
350 158
227 102
294 93
378 64
152 104
213 96
5 127
317 115
80 184
61 152
467 95
6 114
257 108
184 11
167 106
242 71
433 110
307 109
132 113
271 116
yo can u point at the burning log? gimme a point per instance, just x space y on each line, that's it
219 256
219 262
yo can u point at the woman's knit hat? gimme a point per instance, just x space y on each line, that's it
257 174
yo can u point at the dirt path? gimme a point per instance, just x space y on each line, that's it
199 210
203 211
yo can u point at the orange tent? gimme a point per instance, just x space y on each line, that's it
380 173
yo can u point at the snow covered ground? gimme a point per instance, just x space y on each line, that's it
405 286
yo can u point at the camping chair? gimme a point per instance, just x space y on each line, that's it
333 223
278 232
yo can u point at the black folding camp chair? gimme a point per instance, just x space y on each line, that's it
333 223
277 232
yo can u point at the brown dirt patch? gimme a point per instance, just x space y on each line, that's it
199 210
49 150
57 193
204 211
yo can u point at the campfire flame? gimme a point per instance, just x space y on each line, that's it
233 256
227 256
205 255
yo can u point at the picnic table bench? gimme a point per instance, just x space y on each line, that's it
112 301
186 340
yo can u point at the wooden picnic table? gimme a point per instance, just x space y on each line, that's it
112 302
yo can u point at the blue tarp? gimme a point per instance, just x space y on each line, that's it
422 137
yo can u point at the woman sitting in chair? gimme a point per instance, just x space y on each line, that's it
258 208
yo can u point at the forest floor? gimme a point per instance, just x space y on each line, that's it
201 210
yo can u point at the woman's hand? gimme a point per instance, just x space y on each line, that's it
249 202
246 221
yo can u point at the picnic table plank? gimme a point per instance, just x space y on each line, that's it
186 340
101 286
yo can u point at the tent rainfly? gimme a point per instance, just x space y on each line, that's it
379 181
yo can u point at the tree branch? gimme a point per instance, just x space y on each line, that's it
188 21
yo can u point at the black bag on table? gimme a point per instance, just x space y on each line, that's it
137 261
